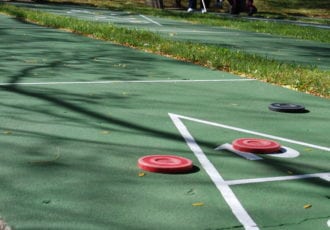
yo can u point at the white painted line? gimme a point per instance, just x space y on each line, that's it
323 176
238 210
113 82
326 177
150 20
254 133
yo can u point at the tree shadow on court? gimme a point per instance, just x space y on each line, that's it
79 109
70 181
273 163
67 179
71 102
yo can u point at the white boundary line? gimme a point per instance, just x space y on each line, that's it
254 133
150 20
229 196
113 82
324 176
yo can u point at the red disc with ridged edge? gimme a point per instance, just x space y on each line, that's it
165 164
255 145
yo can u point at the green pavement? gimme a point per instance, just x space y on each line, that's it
76 114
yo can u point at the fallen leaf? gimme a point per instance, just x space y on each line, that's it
307 206
198 204
141 174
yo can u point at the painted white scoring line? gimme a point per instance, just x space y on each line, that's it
254 133
238 210
324 176
150 20
113 82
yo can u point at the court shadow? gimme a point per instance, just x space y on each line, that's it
294 112
194 169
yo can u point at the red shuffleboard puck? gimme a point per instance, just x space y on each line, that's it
165 164
255 145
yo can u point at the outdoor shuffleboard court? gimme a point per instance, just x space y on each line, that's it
76 115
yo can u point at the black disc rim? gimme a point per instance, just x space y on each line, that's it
286 107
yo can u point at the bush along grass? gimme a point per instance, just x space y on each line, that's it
305 79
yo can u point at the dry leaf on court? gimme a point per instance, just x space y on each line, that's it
198 204
141 174
307 206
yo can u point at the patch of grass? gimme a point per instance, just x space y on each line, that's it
315 8
296 77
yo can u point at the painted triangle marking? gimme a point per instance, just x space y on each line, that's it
224 186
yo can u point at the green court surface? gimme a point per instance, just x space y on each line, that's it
275 47
76 115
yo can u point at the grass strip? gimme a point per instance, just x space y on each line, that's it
301 78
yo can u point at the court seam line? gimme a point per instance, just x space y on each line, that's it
130 81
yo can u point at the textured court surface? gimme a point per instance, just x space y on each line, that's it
76 114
